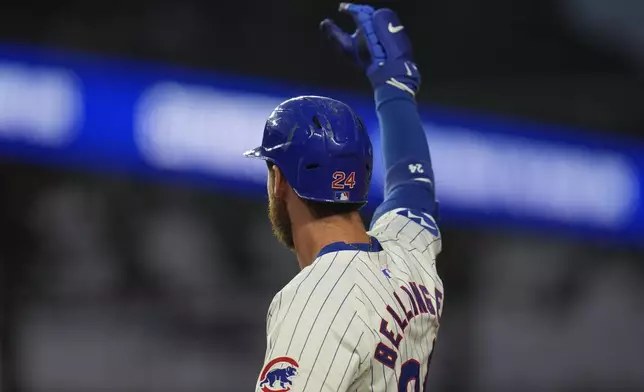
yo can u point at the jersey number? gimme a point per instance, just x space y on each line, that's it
342 180
410 370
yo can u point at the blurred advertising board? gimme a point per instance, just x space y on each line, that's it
86 112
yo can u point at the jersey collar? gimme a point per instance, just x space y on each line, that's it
374 246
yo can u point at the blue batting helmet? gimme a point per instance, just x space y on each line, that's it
322 148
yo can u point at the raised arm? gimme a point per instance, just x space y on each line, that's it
409 180
382 47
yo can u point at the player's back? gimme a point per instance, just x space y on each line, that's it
362 316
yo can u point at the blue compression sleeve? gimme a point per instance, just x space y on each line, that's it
409 181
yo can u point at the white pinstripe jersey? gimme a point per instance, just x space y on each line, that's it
359 319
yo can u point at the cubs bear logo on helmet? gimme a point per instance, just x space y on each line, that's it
322 148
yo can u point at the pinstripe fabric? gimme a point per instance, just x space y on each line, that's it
328 320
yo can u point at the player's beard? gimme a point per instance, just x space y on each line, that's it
281 221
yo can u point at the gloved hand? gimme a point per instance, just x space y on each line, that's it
379 45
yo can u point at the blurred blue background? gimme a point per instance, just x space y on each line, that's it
135 251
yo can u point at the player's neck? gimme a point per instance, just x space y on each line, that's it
313 235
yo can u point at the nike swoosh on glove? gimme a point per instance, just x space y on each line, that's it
379 45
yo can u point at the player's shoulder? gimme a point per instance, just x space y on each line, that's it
328 271
331 278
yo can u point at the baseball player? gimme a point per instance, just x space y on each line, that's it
364 312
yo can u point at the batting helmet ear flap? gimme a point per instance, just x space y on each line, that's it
321 147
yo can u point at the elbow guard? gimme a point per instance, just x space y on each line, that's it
410 184
410 171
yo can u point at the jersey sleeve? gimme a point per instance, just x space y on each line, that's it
314 335
414 229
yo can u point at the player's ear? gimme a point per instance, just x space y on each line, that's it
279 182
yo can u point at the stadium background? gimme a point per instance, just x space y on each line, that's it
113 281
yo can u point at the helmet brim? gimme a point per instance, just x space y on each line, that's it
257 152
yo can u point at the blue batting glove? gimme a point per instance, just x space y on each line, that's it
380 45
